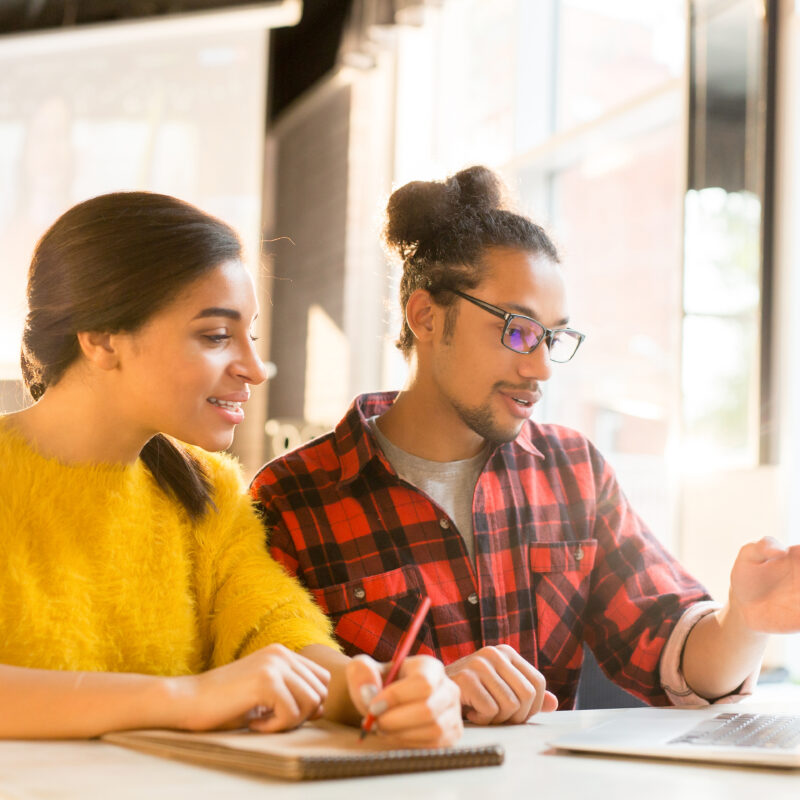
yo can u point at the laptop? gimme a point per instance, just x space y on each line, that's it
720 733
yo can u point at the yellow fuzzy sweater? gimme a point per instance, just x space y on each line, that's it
101 570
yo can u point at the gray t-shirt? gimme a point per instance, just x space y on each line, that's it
450 484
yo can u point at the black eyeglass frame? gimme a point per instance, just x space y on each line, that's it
508 317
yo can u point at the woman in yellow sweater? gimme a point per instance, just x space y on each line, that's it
135 586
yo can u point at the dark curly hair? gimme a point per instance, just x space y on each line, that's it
441 230
108 264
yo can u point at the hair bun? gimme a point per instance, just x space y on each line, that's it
477 188
420 211
415 213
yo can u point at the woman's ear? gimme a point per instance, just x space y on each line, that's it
99 348
422 315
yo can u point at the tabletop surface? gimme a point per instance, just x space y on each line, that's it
88 770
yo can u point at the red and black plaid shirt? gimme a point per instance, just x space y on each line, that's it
561 558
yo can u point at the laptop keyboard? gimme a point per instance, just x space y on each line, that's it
769 731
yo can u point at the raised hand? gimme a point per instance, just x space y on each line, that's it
499 686
765 586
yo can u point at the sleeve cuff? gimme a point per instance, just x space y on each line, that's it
672 680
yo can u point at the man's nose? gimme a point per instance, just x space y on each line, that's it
536 364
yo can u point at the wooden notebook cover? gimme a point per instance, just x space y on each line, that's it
316 750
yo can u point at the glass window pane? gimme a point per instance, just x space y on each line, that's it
612 51
724 219
720 382
617 217
722 235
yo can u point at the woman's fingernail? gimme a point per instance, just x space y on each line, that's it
257 712
378 707
368 692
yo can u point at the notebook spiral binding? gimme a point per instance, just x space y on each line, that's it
402 761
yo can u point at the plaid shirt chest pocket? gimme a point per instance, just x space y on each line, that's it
560 581
371 614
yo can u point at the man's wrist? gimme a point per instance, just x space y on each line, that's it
733 622
721 652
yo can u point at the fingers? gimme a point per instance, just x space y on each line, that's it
316 679
764 549
525 681
765 587
291 690
282 713
364 681
315 669
405 726
270 689
422 707
483 702
442 733
550 702
420 678
499 686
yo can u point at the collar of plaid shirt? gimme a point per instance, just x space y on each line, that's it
356 447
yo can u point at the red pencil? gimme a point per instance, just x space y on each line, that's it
402 651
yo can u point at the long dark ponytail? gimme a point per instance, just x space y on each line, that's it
108 264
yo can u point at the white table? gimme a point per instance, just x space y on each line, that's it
95 771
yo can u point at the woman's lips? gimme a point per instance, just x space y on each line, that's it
230 406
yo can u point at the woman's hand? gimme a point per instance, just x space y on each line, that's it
270 690
421 708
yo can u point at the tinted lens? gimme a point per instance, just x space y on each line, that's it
522 334
564 344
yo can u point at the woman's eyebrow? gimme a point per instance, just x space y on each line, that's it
230 313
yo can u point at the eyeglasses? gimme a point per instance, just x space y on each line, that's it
524 334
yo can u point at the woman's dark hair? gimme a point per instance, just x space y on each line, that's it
441 230
108 264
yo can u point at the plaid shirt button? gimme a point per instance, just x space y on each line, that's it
360 594
472 599
444 523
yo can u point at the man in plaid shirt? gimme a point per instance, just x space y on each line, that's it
518 532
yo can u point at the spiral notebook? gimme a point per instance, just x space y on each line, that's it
316 750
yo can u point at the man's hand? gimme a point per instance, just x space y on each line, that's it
498 685
765 586
725 647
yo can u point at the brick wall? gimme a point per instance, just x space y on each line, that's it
310 209
329 285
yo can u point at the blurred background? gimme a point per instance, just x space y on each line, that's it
657 141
